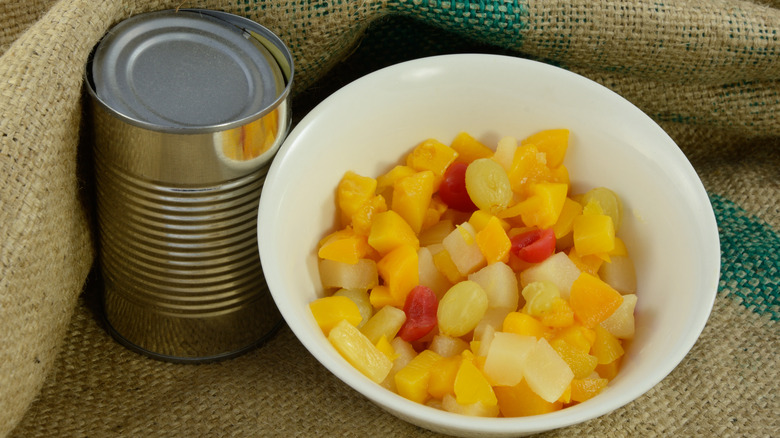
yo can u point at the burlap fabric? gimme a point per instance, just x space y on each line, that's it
707 70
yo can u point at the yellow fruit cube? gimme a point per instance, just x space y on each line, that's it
447 267
385 183
399 270
524 325
412 196
442 378
581 363
528 168
344 246
364 216
353 190
359 351
585 389
577 336
558 315
543 208
493 241
329 311
386 348
521 401
592 300
593 234
433 215
471 386
389 231
412 380
360 275
565 222
606 347
432 155
469 148
553 142
380 298
385 323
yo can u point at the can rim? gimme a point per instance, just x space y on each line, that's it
251 29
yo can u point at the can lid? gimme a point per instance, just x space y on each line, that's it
185 69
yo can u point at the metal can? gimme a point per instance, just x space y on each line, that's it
188 109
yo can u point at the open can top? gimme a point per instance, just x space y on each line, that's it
190 71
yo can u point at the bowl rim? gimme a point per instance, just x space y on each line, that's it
445 421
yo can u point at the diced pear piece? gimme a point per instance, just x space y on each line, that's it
461 244
361 275
430 275
505 358
386 322
619 273
478 409
499 282
621 323
547 374
447 346
558 269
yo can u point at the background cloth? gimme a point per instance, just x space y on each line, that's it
708 71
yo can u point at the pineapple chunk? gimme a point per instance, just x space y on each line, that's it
386 322
448 346
499 282
359 351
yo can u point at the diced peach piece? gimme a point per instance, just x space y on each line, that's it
609 203
543 208
386 182
386 322
571 209
380 297
432 155
433 214
528 168
480 218
412 196
505 358
361 275
523 324
353 190
590 263
363 218
471 386
606 347
609 370
500 284
411 382
442 378
592 300
593 234
546 373
344 246
359 351
493 242
389 231
469 148
399 271
521 401
329 311
585 389
553 142
578 336
558 315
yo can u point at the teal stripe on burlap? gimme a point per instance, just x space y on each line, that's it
750 258
493 22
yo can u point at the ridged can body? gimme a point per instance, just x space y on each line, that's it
177 220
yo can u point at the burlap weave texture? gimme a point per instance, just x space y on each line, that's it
707 70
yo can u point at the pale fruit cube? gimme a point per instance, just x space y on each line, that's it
436 233
404 352
484 341
447 346
461 308
619 273
505 152
500 284
621 323
361 275
546 373
359 297
429 274
557 268
505 358
493 319
478 409
360 352
386 322
462 246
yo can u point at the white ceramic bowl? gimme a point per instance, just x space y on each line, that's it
370 124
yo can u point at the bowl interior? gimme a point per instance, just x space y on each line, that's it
369 125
